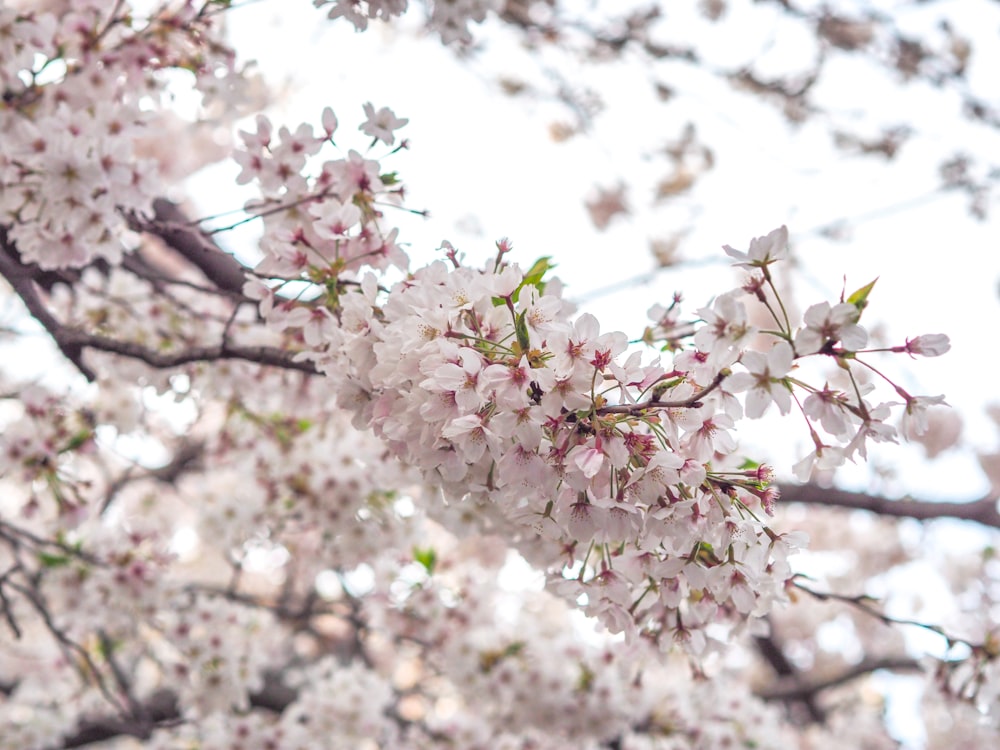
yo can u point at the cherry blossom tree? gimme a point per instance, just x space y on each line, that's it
312 493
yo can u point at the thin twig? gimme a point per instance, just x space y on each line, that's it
87 667
693 401
861 603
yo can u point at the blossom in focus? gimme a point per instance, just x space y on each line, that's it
763 380
826 324
828 408
726 327
763 250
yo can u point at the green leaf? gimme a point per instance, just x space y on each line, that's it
538 270
860 298
381 499
521 328
78 440
514 648
749 464
107 647
534 276
426 557
49 560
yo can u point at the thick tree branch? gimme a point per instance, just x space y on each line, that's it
263 355
72 342
983 510
171 225
21 279
161 709
771 650
795 687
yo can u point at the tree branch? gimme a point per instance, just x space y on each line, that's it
171 225
983 510
795 687
262 355
21 279
693 401
863 603
160 708
771 650
72 342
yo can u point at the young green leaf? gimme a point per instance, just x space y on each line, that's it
860 298
521 328
426 557
535 275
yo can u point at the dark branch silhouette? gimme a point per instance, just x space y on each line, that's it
983 510
172 226
799 687
774 654
72 342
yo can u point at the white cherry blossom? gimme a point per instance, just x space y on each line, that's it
830 325
764 379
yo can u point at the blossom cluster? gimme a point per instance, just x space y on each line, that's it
319 226
83 90
616 473
109 583
450 673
